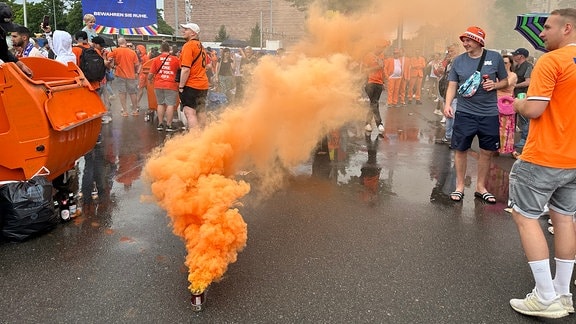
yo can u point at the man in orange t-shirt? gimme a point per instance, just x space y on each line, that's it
545 172
126 72
374 67
193 86
163 71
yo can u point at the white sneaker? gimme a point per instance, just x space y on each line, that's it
550 221
551 230
443 120
567 302
437 99
533 305
368 128
381 128
438 112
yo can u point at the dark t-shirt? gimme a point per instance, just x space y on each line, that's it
483 103
523 71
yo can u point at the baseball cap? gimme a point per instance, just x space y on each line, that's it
475 33
521 51
191 26
6 17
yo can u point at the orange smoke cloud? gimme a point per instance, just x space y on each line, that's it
290 104
289 107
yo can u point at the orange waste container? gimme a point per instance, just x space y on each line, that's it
47 121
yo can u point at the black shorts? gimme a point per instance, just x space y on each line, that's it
468 126
193 98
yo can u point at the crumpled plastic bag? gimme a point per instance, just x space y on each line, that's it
26 209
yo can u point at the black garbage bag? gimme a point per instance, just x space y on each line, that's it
26 209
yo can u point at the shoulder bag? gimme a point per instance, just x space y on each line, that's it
469 87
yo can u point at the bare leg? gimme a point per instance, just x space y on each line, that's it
483 168
134 100
169 114
122 96
564 236
160 111
461 163
191 117
532 237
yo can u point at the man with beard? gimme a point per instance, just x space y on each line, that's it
546 170
21 40
6 25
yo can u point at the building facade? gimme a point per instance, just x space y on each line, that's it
277 19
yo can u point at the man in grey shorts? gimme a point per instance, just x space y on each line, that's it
127 69
546 170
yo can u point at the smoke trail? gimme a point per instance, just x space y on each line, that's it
291 103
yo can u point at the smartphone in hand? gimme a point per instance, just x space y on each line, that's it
45 21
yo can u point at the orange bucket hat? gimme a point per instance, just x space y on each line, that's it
476 34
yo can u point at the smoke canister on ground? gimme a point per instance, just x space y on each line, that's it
198 300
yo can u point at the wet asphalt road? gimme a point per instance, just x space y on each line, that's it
333 246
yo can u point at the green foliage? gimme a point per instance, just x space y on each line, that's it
74 18
163 27
222 34
254 40
64 15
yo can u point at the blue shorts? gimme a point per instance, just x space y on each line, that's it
531 186
467 126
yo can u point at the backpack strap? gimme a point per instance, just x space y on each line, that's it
482 58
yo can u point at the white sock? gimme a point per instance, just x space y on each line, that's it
543 278
563 276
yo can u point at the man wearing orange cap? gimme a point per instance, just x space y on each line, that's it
477 111
545 173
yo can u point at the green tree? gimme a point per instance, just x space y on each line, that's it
222 34
74 18
163 27
255 36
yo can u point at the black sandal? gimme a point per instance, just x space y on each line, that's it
456 196
486 197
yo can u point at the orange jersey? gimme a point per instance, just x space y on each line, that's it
551 141
197 78
77 50
164 68
125 61
374 65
